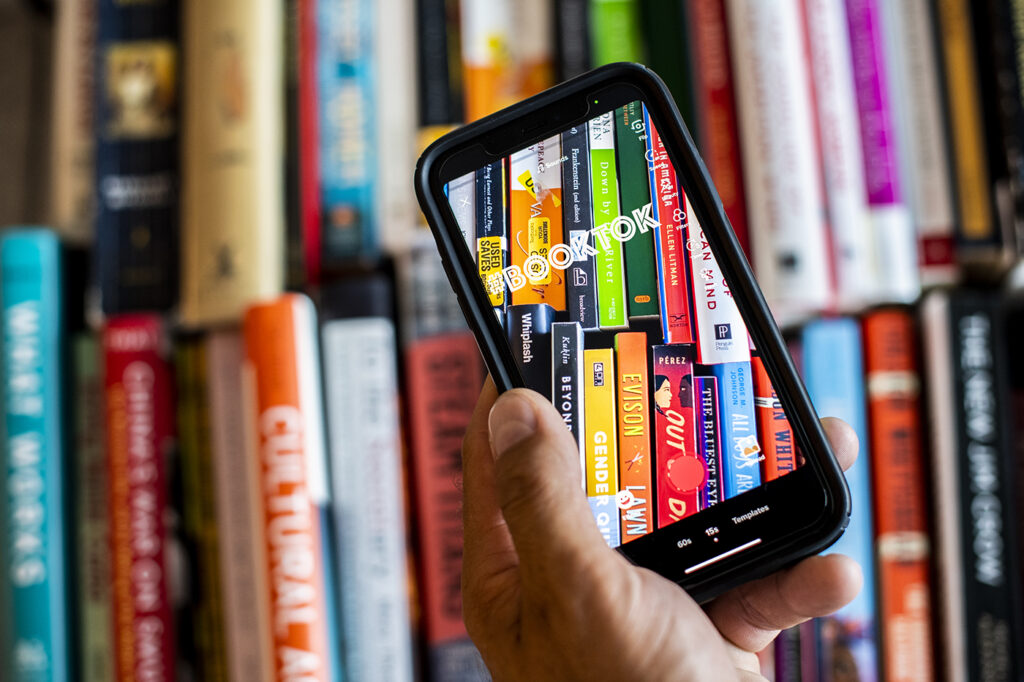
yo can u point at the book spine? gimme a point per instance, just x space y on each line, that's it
572 38
310 209
443 376
96 661
136 127
438 100
279 375
709 438
898 480
716 110
535 207
235 473
491 232
615 32
680 470
662 25
578 221
780 159
567 382
462 196
611 281
896 253
915 91
602 471
636 491
73 204
741 453
233 137
347 104
37 591
361 386
667 208
529 335
842 161
635 190
533 49
833 372
140 431
773 427
429 306
488 70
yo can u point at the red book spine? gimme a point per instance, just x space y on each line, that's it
444 377
773 428
140 433
309 141
680 471
716 108
898 478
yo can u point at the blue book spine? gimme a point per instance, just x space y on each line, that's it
606 513
34 536
834 374
346 117
741 454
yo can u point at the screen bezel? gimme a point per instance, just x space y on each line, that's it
812 503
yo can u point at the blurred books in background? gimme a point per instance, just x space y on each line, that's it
235 394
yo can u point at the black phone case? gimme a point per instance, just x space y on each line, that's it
558 108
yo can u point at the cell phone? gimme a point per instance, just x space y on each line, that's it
595 264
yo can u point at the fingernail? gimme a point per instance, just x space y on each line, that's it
512 420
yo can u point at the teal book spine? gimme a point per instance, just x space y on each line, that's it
34 538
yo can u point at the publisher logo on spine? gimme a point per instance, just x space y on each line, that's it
723 332
598 374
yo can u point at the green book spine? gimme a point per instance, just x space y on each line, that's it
615 31
611 285
634 187
666 33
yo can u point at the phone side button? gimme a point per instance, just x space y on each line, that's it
723 555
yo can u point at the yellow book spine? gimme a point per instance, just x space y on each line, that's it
600 422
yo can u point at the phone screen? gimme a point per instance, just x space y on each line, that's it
615 308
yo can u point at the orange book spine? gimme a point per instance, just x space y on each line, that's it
635 500
773 428
287 432
898 479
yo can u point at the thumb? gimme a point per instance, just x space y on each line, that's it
538 478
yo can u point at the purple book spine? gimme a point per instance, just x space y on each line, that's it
877 130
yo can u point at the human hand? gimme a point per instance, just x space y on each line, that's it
544 598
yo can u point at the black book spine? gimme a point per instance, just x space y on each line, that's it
990 580
577 221
137 90
528 327
492 253
566 376
572 38
437 49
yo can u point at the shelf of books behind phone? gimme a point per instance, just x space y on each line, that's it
235 377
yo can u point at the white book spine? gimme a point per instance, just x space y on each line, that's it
780 160
361 384
462 197
853 244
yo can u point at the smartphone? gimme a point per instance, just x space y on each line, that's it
595 264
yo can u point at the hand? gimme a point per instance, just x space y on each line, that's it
545 598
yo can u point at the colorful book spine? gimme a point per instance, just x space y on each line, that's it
572 38
443 375
774 431
741 452
636 489
346 124
680 470
36 591
833 373
611 281
602 469
577 221
488 67
245 592
635 191
898 480
567 382
615 31
842 162
708 436
669 244
896 245
73 171
529 335
532 48
232 194
718 137
283 394
782 175
140 432
491 232
136 121
361 390
310 211
915 91
96 660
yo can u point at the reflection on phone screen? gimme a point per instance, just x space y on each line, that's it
615 308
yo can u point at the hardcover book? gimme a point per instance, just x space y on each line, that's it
680 472
577 221
741 451
572 38
528 327
602 470
709 438
488 69
615 31
490 231
636 489
774 431
567 382
611 284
